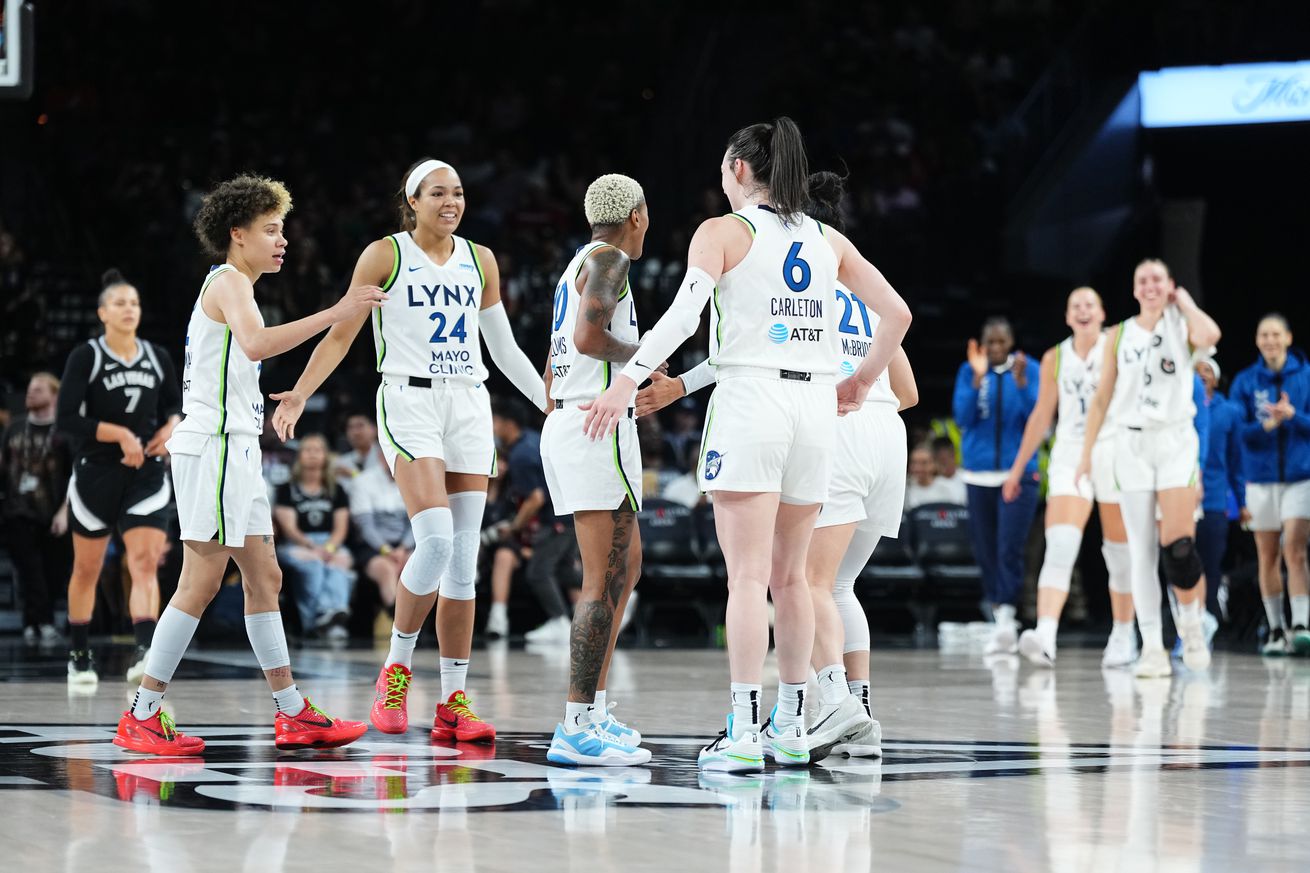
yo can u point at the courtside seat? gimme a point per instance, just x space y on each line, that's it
942 547
675 577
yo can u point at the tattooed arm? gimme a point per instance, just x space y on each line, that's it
600 283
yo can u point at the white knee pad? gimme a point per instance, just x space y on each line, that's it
1118 565
466 508
853 620
432 550
1062 542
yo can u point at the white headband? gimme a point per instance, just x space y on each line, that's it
421 172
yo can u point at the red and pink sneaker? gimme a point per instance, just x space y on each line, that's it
156 735
313 728
389 714
455 720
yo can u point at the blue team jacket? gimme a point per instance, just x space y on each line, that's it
1223 459
991 417
1283 454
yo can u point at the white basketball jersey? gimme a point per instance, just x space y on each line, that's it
220 385
1076 380
429 326
1154 371
855 326
575 376
775 308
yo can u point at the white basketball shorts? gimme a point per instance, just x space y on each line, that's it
448 421
868 471
584 475
1064 462
1271 504
219 483
1157 459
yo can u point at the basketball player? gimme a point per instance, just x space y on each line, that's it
1067 382
770 431
217 469
434 415
1156 455
866 496
598 483
120 400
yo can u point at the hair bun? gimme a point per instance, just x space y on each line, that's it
112 276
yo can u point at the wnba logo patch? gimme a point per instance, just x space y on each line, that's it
713 463
779 333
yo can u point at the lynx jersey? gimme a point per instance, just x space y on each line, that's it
576 376
1154 370
220 385
429 326
1076 380
775 309
855 326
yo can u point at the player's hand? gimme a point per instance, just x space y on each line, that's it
59 524
358 301
850 395
604 412
156 448
133 453
977 358
659 393
290 405
1010 488
1084 470
1020 369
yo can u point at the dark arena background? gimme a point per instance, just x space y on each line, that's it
996 155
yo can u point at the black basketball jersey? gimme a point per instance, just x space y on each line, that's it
100 386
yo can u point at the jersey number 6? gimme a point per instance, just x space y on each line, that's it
793 263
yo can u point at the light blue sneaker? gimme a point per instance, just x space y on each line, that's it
788 747
589 748
729 754
616 731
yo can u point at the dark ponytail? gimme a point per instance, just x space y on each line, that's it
408 220
776 155
826 192
109 280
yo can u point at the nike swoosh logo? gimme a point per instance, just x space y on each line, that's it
640 364
821 724
448 722
322 724
419 267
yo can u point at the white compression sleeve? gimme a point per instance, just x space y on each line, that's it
698 377
493 323
674 327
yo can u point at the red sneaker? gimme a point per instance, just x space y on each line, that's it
313 728
455 720
156 735
389 714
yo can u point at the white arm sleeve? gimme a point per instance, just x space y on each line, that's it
698 377
493 323
674 327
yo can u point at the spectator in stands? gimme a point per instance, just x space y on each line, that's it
507 554
661 481
382 524
313 518
925 486
34 469
945 457
993 399
554 547
363 452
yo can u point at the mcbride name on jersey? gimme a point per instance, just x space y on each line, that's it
576 376
855 326
429 326
99 386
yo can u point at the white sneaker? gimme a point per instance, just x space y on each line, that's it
337 634
866 744
1211 625
1030 646
554 632
1196 652
497 624
616 731
1120 650
787 746
1153 664
726 754
835 723
50 636
138 668
82 678
590 748
1004 639
1277 644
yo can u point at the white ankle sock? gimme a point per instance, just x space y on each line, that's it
498 610
745 707
289 700
577 716
1003 613
1046 631
1274 610
146 703
860 688
454 675
832 684
1190 612
791 705
1300 609
402 647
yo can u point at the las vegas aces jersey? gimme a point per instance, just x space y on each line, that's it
139 394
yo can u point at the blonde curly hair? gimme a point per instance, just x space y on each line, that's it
611 198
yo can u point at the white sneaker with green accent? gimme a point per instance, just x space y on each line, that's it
733 754
787 746
1153 664
866 744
